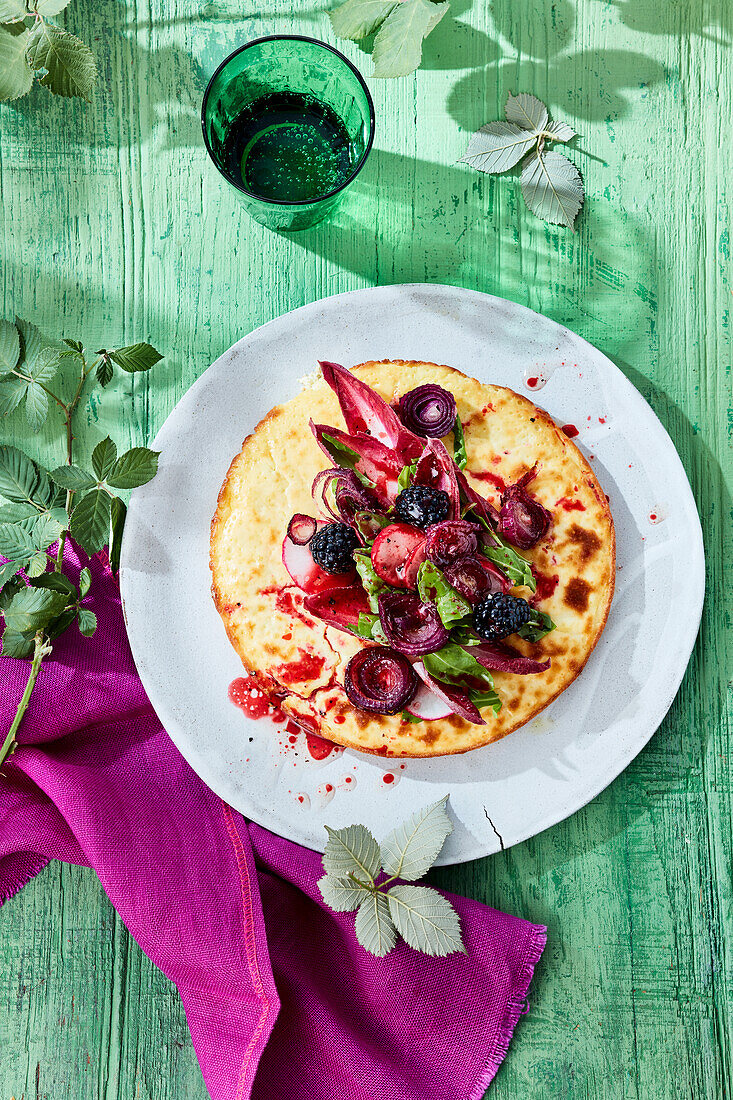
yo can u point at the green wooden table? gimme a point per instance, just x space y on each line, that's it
116 228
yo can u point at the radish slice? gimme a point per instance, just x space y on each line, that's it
393 547
307 575
428 706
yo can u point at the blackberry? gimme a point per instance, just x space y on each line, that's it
332 547
500 615
422 506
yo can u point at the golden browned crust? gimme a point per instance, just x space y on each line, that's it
506 434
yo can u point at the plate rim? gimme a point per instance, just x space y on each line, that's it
664 702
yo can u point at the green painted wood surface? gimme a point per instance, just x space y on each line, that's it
115 228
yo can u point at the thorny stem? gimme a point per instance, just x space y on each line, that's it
69 453
42 649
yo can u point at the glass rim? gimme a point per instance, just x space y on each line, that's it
290 38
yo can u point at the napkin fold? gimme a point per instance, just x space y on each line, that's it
281 1001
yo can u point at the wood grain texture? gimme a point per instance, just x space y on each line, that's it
115 228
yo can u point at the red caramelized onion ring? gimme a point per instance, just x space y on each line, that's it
301 529
428 411
469 577
350 495
522 519
451 540
380 680
411 626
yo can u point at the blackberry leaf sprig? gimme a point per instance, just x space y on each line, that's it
551 184
30 46
44 509
392 906
399 26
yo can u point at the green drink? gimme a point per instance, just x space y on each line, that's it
289 123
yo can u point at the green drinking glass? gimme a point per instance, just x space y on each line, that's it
289 122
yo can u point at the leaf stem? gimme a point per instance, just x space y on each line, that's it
69 409
42 649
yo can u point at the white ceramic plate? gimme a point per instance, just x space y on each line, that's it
500 794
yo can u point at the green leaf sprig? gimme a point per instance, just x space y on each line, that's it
551 184
30 46
38 602
385 908
399 26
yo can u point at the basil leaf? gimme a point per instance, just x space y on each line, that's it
434 588
484 698
459 445
516 568
136 357
373 583
538 626
453 664
406 475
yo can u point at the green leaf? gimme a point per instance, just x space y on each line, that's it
526 111
372 582
358 18
459 445
136 357
49 8
75 345
17 644
434 588
36 406
398 45
46 364
9 345
85 582
16 75
104 457
57 582
351 851
61 623
406 475
12 392
7 571
560 131
344 456
90 521
453 664
412 718
425 919
37 564
498 146
87 622
104 371
15 513
12 9
374 928
15 542
70 66
412 848
118 514
135 467
340 894
365 625
46 531
31 609
73 478
19 476
538 626
516 568
369 525
32 341
553 188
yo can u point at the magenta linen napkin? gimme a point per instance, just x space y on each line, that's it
281 1001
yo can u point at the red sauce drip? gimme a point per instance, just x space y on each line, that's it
318 747
258 696
601 420
571 505
492 478
653 517
546 585
339 719
329 788
570 430
387 778
308 666
533 383
289 601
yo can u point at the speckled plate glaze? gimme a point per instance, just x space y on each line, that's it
500 794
